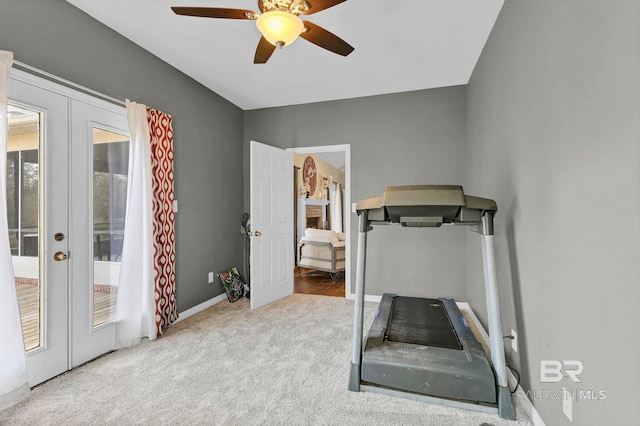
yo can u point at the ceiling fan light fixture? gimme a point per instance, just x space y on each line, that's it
280 28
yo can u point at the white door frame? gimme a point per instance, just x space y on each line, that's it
346 148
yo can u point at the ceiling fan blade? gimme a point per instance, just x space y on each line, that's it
263 52
215 12
323 38
318 5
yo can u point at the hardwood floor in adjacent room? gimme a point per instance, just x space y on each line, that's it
310 281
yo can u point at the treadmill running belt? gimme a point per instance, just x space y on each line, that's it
423 322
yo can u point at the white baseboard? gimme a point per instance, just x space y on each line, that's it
367 297
519 393
525 402
199 308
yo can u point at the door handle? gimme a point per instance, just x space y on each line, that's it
257 233
60 256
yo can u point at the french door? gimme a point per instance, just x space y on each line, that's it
66 185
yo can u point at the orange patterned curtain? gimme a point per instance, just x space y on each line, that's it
164 254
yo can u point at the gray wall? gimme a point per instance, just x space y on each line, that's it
549 126
58 38
554 136
409 138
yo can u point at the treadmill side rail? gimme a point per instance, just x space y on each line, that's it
496 341
358 315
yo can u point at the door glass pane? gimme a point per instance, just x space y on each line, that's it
23 213
110 170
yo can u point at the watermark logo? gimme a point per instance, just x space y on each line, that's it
552 371
555 371
562 394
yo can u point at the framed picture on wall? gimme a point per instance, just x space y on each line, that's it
309 174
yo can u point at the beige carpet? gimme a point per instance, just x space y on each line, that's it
284 364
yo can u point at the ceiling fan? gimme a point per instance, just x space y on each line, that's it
280 24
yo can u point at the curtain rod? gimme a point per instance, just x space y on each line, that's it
48 76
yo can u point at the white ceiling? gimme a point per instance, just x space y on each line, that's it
400 45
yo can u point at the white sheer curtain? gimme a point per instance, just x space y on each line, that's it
13 364
335 198
136 306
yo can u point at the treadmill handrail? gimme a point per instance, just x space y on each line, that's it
426 206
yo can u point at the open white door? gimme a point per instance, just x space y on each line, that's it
271 210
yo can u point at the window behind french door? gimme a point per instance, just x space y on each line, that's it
66 186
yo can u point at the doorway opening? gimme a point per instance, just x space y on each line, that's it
322 196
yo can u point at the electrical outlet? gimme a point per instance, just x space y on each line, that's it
210 277
567 404
514 341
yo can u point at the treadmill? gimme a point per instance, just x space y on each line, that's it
423 348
